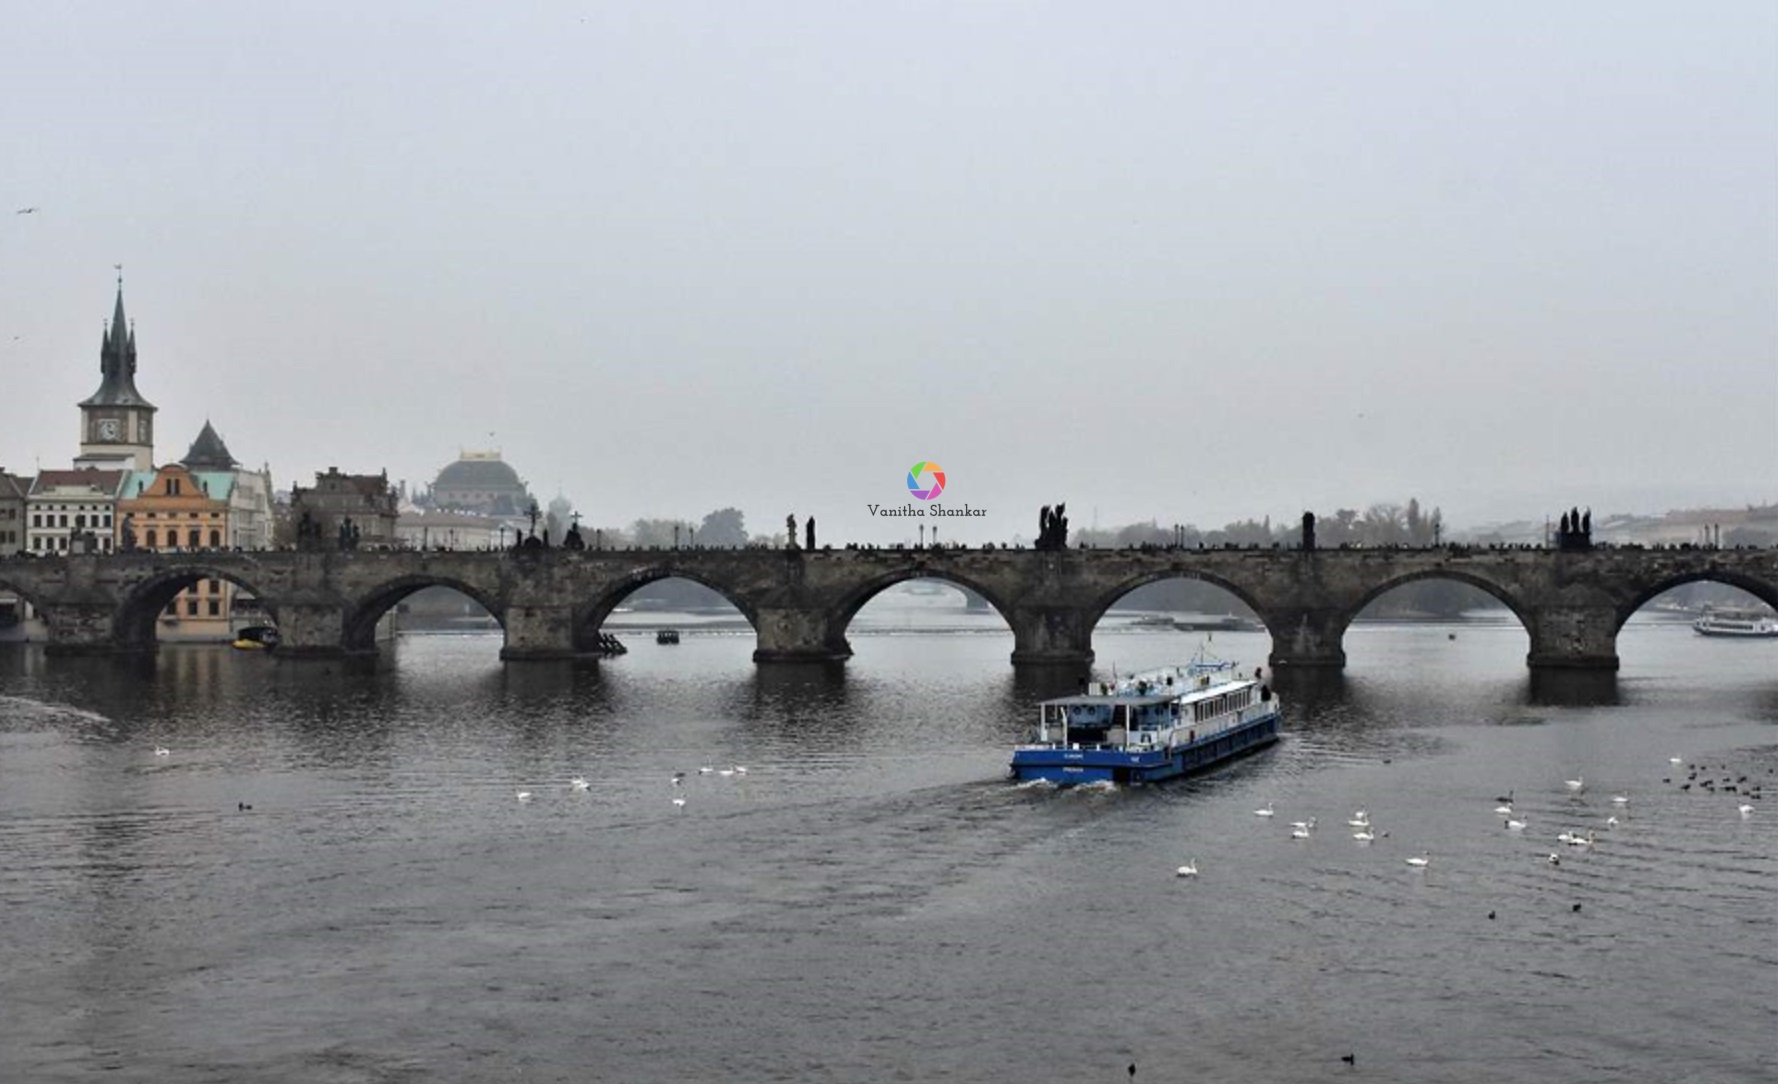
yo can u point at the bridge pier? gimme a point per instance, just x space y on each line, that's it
799 635
538 633
312 630
1572 638
1051 636
85 629
1307 639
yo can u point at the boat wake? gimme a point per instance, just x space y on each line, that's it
28 708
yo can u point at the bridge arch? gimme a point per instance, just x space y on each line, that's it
859 595
25 595
133 626
590 616
1104 601
1499 592
359 627
1647 592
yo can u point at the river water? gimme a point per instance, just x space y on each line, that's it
871 900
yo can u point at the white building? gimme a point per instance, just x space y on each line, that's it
66 506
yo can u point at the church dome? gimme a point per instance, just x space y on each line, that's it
483 471
480 482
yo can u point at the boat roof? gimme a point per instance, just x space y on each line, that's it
1168 694
1085 700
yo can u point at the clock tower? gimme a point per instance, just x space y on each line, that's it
116 423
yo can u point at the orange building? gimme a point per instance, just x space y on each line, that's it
171 509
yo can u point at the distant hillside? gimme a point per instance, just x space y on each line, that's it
1753 525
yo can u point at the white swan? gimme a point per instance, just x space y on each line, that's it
1579 782
740 769
1504 810
1360 819
1190 869
1302 831
1620 799
1611 822
1266 812
524 795
726 772
579 783
705 770
1514 825
162 751
1746 810
1420 862
1364 835
1308 825
1676 760
1553 858
679 801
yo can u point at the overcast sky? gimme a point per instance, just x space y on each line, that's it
1189 262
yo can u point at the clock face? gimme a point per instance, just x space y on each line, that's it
108 429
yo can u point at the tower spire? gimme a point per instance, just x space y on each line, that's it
117 359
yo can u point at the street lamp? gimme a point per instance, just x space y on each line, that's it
503 536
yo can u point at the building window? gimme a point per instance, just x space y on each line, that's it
151 539
173 608
215 608
215 587
192 538
191 608
215 539
172 487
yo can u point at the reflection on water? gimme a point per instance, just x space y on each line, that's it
1572 688
389 909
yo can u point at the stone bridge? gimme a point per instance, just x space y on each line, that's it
551 603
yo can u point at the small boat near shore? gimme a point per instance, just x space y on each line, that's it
256 638
1739 624
667 636
1150 726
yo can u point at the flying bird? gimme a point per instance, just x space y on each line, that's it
27 210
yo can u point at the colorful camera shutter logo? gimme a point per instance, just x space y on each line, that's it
926 480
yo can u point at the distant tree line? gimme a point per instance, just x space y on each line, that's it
1382 524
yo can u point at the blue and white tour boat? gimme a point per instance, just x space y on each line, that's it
1150 726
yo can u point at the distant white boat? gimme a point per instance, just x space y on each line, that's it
1742 624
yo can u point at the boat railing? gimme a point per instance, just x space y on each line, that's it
1074 746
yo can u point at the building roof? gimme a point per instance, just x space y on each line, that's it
117 364
104 481
217 484
208 452
14 486
479 470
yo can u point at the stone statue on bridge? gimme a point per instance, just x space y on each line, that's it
1308 531
1052 528
1575 530
790 531
809 533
